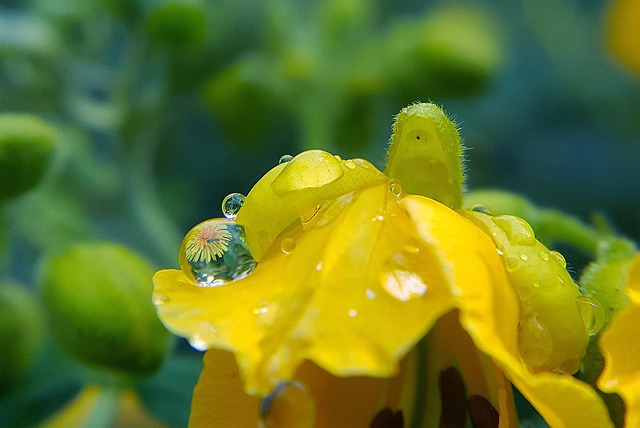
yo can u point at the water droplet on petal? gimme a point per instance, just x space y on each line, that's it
395 187
479 208
544 255
524 257
370 294
411 247
287 245
285 159
500 252
206 333
350 164
592 314
518 231
262 308
231 205
214 253
512 263
319 266
559 258
401 279
352 313
289 404
534 341
569 366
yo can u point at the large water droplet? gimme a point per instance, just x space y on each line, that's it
350 164
205 335
400 278
534 341
285 159
290 403
518 231
231 205
214 252
592 314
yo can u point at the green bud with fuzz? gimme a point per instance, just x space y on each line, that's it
98 301
21 332
426 154
26 149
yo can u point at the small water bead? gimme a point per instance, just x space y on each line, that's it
518 231
395 187
411 247
512 263
287 245
592 314
205 335
159 299
559 258
350 164
285 159
214 253
479 208
231 205
370 294
544 255
352 313
524 257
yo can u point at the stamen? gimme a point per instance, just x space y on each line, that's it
387 418
482 413
454 399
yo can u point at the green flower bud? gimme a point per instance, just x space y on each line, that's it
26 149
98 300
177 23
21 332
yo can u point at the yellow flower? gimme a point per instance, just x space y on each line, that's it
620 348
363 288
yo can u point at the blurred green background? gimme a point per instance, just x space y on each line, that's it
138 117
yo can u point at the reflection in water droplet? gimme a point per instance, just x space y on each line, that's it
479 208
395 187
285 159
370 294
319 266
518 231
524 257
350 164
231 205
401 280
534 341
500 252
544 255
592 314
352 313
289 404
559 258
262 308
287 245
214 253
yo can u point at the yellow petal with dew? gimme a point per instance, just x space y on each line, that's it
489 312
620 347
327 298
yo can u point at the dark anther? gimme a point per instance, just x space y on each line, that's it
454 399
482 413
387 418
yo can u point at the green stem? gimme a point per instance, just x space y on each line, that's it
105 408
553 225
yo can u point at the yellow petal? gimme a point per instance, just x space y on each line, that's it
620 347
489 313
330 297
624 32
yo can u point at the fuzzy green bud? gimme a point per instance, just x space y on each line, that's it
26 149
98 300
21 332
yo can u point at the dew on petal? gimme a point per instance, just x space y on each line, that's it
559 258
592 314
401 281
285 159
287 245
159 299
350 164
214 253
534 341
479 208
518 231
231 205
370 294
395 187
352 313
